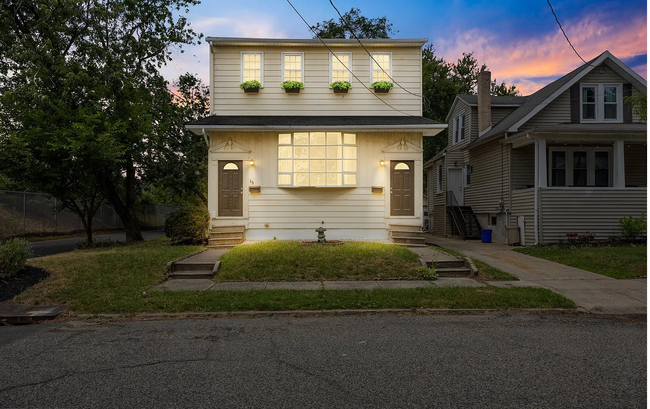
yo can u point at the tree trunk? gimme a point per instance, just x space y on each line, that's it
88 225
126 210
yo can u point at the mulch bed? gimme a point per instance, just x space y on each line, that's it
27 277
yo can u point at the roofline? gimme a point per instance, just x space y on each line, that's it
494 104
415 42
546 131
587 68
427 130
453 106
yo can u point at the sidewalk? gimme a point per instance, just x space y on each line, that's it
593 292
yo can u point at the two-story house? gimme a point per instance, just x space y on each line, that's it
569 158
284 164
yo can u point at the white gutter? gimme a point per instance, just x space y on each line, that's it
536 206
429 130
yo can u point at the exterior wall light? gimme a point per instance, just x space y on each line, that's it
251 162
382 162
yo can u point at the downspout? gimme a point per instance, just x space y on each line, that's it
536 206
205 137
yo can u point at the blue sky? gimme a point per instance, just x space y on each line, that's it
518 40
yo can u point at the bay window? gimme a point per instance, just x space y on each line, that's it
317 159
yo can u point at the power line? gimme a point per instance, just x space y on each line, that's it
344 65
373 58
563 32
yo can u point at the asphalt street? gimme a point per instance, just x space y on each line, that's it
498 360
48 247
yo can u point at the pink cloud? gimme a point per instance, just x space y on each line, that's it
524 62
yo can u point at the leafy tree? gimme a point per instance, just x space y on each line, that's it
362 26
81 96
639 104
181 163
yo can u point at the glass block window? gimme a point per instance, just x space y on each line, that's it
251 66
381 65
338 64
292 64
317 159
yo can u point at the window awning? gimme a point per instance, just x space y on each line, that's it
315 123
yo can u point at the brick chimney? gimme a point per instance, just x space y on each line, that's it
484 103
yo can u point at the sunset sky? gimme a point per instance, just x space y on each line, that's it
518 40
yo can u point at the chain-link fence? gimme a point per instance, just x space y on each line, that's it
26 213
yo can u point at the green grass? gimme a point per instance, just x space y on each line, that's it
116 280
486 271
615 262
289 261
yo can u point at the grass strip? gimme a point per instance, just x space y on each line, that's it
616 262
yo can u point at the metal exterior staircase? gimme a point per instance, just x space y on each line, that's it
463 218
407 236
226 236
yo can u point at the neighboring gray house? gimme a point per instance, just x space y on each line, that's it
569 158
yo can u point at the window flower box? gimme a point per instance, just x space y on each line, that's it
292 87
250 87
340 87
382 87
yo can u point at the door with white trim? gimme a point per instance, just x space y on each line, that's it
455 183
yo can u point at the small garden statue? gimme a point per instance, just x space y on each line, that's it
321 235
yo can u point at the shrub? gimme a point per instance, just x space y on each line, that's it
292 84
188 225
632 227
13 256
250 84
427 273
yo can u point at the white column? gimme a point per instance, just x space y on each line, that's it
619 164
542 163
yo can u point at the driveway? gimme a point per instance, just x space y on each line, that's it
48 247
593 292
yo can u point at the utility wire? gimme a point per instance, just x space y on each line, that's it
373 58
563 32
346 67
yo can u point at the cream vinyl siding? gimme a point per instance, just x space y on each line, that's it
489 176
581 210
523 167
316 98
636 162
523 204
306 207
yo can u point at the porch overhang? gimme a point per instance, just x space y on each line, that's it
260 123
587 133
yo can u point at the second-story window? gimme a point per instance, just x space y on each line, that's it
462 127
601 103
292 66
251 66
456 129
340 64
381 67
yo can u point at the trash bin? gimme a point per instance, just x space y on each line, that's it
513 235
486 236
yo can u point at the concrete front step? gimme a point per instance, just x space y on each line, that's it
226 240
449 264
228 229
226 235
221 246
410 245
454 272
405 227
405 233
192 266
408 240
199 274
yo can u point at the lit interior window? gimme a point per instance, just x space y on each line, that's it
251 67
317 159
339 70
381 67
293 67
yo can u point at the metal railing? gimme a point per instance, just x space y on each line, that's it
28 213
457 215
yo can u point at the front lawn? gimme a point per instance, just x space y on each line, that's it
289 261
615 262
116 280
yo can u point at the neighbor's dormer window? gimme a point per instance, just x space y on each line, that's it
601 103
251 66
340 64
381 67
292 66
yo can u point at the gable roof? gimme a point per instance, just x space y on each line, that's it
540 99
496 101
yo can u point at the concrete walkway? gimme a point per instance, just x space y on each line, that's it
202 285
593 292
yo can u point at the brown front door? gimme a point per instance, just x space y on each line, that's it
231 194
402 199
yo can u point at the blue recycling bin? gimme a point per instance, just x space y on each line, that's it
486 236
